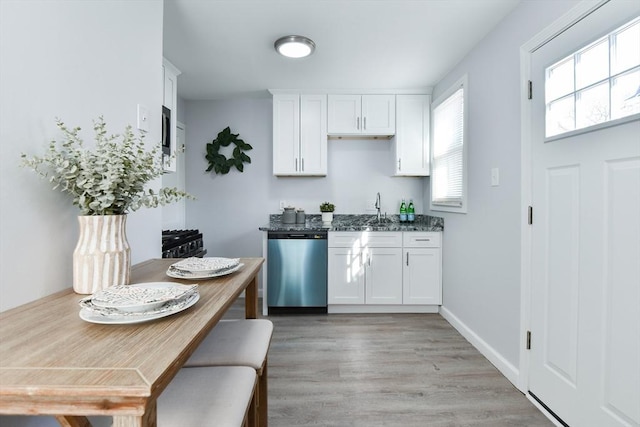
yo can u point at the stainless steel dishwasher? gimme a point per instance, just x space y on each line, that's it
297 272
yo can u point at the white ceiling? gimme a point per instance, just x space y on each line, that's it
224 48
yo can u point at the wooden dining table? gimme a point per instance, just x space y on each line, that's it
54 363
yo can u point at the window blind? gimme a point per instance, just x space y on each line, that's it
448 139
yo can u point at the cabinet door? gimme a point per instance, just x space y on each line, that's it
378 114
421 278
286 134
313 135
411 142
383 282
346 276
345 113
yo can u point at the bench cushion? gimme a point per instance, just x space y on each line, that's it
234 343
207 396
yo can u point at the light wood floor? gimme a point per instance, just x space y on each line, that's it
385 370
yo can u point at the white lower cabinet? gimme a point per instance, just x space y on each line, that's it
364 267
421 276
345 276
422 268
384 271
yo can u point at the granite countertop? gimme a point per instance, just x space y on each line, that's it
357 223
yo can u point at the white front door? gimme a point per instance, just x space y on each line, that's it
585 275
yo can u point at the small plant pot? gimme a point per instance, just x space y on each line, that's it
327 217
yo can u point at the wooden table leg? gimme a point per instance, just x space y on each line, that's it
73 421
251 299
149 419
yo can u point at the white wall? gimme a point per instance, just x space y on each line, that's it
481 259
74 60
231 207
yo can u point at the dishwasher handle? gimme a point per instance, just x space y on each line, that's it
293 235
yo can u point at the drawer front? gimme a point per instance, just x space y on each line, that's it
382 239
344 239
372 239
421 239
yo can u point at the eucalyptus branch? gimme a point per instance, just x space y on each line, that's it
108 180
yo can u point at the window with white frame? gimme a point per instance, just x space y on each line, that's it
598 84
448 154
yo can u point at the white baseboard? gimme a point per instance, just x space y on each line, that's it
504 366
369 309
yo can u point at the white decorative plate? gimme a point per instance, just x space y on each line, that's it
140 297
180 274
129 318
205 265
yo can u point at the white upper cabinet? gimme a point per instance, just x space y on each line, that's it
361 114
299 134
378 114
411 142
345 113
286 134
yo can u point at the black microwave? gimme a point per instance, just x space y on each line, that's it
166 131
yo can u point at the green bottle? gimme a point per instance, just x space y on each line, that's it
411 212
403 211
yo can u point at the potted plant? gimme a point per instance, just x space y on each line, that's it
105 183
327 209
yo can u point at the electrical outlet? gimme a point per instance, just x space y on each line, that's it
370 206
283 204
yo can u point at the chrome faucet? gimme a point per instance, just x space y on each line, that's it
378 205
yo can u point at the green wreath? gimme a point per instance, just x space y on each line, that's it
218 162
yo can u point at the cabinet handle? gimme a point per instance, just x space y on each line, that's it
296 164
423 240
399 164
365 123
358 123
407 258
302 164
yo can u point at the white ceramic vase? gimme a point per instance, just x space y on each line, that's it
327 217
102 257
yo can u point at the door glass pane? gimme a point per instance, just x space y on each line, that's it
596 84
592 64
560 116
625 94
625 50
592 105
559 80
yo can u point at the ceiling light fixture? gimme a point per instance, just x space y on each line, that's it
294 46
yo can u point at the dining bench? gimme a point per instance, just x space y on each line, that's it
242 342
209 396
